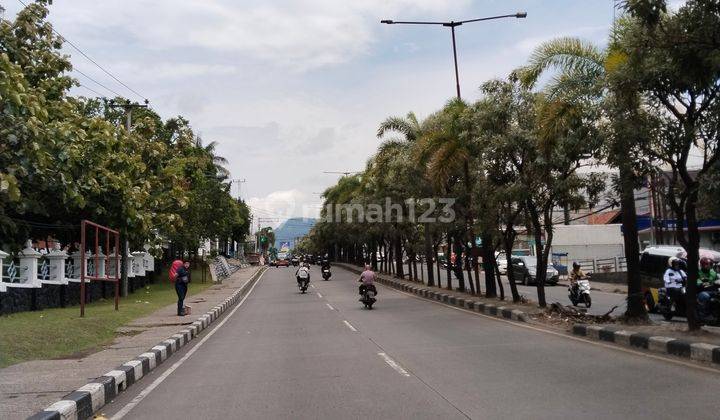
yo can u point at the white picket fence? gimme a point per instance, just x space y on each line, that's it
603 265
32 268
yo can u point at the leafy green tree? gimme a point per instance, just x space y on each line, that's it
586 75
671 59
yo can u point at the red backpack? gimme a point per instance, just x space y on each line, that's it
174 267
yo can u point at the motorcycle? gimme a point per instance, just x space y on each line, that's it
668 305
303 284
368 296
326 274
710 315
295 262
580 292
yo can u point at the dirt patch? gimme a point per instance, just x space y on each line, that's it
128 332
563 321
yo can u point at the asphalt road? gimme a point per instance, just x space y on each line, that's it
321 355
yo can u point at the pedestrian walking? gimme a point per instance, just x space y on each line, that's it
181 286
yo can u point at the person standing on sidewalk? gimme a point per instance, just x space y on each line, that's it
181 286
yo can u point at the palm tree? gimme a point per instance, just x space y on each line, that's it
219 162
410 129
583 75
448 153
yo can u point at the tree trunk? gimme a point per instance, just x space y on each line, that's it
488 265
541 264
509 242
437 265
414 263
693 260
499 282
469 271
459 250
399 257
429 256
635 299
449 262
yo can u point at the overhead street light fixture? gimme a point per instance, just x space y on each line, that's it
452 24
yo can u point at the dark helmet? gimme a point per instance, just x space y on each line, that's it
576 264
705 262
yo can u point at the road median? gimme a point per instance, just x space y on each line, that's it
680 347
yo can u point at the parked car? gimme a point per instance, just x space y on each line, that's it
501 262
525 270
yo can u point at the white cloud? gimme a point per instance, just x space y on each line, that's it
294 34
280 205
596 34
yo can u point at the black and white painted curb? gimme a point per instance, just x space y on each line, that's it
667 345
90 398
449 298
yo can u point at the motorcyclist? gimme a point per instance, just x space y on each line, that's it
576 273
303 273
707 279
674 278
367 280
325 264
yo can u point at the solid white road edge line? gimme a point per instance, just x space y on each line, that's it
349 325
330 306
393 364
145 392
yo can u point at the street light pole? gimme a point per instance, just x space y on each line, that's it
452 25
457 77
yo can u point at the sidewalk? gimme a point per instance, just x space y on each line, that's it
26 388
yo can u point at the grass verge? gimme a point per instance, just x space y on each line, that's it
60 332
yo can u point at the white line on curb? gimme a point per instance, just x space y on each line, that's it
319 295
349 325
393 364
330 306
145 392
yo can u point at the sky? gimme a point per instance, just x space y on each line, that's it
292 88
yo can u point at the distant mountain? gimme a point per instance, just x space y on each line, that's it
293 229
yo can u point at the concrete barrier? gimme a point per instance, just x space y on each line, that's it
702 352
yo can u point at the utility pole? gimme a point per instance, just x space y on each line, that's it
239 182
128 107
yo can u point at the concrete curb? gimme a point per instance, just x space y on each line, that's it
448 298
657 344
82 403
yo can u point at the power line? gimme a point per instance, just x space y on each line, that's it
92 90
92 61
97 83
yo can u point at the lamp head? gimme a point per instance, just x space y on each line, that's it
388 21
521 15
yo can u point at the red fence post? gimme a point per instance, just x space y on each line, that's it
83 266
82 269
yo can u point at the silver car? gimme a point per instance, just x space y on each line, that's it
525 271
